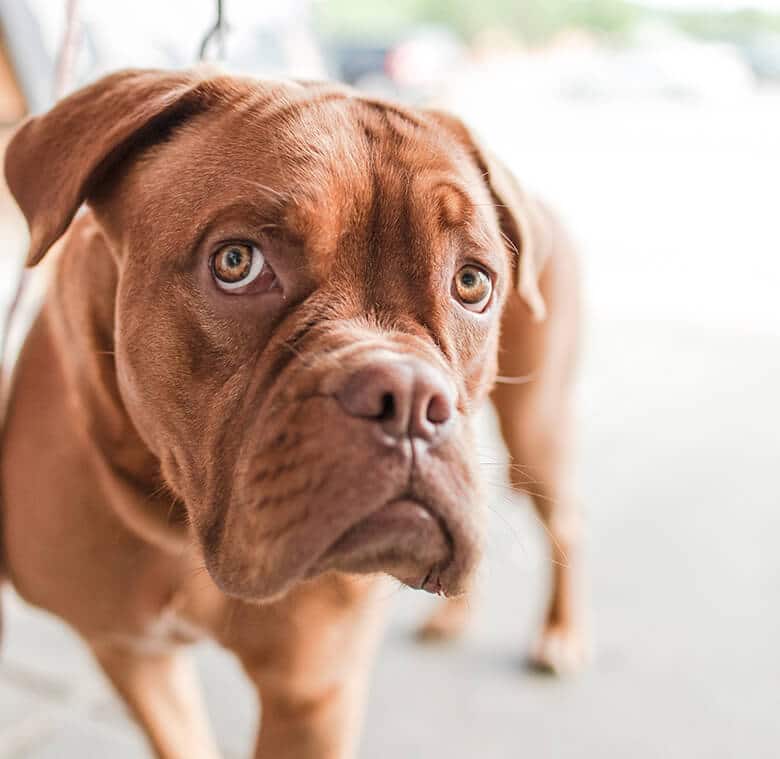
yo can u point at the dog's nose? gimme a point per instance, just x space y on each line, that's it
404 397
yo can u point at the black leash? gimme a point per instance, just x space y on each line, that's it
217 33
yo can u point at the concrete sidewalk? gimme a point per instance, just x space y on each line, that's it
680 436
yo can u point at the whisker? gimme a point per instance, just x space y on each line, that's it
265 188
510 526
511 245
174 502
396 587
513 489
230 618
521 380
512 466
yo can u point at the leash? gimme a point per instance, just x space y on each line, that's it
66 60
63 76
217 33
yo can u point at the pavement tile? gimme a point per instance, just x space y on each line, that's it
79 738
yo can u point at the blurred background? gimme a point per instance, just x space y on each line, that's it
654 127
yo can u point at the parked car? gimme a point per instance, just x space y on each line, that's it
412 65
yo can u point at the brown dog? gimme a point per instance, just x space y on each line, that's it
252 382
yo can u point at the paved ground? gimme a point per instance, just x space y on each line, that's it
679 443
681 431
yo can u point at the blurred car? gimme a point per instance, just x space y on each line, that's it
762 53
662 62
413 65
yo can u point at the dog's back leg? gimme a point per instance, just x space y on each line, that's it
2 566
538 443
536 424
161 690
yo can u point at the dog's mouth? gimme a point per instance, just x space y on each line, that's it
405 539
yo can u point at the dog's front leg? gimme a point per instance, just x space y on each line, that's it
161 690
308 723
309 656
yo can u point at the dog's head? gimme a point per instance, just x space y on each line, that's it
307 314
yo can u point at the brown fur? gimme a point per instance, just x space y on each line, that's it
176 461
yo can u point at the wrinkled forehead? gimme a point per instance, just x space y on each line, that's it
328 166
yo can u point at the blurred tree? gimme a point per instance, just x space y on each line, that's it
531 21
737 25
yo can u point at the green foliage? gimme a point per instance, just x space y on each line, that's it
531 21
737 25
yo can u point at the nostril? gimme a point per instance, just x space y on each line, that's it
381 392
404 398
388 410
439 409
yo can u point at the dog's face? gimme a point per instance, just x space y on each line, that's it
310 289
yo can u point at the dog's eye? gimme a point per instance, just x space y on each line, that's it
473 287
236 265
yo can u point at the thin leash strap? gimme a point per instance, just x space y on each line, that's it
217 32
66 60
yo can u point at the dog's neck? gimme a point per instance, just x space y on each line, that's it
79 311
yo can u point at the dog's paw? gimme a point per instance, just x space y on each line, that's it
561 651
447 622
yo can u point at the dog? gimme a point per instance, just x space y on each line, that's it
249 392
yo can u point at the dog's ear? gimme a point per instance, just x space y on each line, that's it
55 160
524 224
